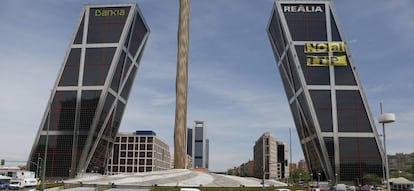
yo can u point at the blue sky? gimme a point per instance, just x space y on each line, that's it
234 84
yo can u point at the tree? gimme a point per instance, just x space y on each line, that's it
300 175
372 179
181 86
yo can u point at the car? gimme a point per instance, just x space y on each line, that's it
15 185
189 189
282 189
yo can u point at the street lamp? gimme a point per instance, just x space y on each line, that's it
319 178
386 118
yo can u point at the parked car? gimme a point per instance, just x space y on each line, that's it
15 185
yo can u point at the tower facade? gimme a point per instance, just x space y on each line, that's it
141 151
335 126
89 97
198 144
282 160
265 157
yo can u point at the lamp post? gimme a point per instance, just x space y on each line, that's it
386 118
319 178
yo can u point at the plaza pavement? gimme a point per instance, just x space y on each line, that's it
173 177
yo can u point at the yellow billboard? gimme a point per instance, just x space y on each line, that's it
324 47
326 60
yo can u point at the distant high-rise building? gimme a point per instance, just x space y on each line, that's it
90 94
302 165
265 157
282 159
337 132
141 151
198 145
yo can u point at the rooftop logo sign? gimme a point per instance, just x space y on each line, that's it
295 8
109 12
312 59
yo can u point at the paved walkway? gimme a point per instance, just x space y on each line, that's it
173 177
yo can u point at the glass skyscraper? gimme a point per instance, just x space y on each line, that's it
198 145
334 123
89 97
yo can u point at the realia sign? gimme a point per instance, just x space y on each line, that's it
298 8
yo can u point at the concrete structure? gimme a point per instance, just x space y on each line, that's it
334 123
198 145
282 160
141 151
170 178
265 157
90 94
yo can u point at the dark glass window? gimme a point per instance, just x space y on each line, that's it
97 64
359 156
294 70
275 30
63 111
149 147
285 77
124 139
106 24
150 139
70 73
142 146
127 65
142 139
117 76
130 139
198 151
59 151
89 102
314 75
198 133
322 102
105 111
128 37
334 28
118 116
79 34
344 74
138 32
306 26
352 116
127 88
329 143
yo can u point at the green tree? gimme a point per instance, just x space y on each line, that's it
372 179
300 175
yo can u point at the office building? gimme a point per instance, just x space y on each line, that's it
265 157
89 97
282 160
331 113
141 151
198 145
